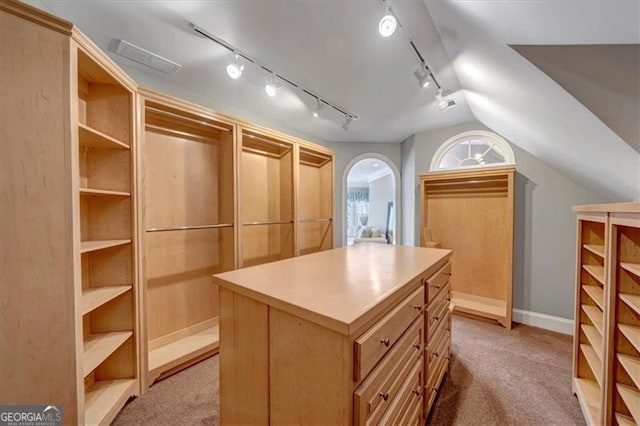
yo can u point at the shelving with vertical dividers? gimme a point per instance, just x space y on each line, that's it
625 281
189 206
315 200
267 200
106 136
589 356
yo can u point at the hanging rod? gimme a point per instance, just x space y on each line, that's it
280 77
270 222
187 228
466 182
327 219
182 117
279 144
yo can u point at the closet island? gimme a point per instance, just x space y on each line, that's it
353 335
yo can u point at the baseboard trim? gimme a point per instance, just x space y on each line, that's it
548 322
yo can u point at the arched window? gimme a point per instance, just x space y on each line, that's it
474 149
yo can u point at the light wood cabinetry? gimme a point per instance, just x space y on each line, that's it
606 363
471 213
69 284
189 215
282 329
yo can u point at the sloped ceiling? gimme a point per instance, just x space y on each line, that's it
605 78
332 48
512 96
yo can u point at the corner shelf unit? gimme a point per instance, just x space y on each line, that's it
315 201
606 361
266 198
471 213
189 205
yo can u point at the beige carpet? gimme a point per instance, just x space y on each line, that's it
521 377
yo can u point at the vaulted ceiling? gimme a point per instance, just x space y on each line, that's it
479 50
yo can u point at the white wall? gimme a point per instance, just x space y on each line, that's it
544 241
381 191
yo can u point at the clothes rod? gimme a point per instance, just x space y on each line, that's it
271 222
187 228
278 144
316 220
465 182
192 120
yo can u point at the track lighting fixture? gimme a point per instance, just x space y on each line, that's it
235 68
388 23
444 103
317 110
347 122
422 74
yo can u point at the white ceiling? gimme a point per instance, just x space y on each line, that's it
513 97
365 171
332 48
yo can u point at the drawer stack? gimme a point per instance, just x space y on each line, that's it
438 332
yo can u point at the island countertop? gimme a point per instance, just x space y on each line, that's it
340 289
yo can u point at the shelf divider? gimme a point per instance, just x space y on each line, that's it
92 138
595 315
99 346
631 398
595 249
93 298
103 400
103 192
596 272
593 360
88 246
632 300
634 268
632 334
596 294
588 393
594 337
631 364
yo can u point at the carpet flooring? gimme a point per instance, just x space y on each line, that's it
497 377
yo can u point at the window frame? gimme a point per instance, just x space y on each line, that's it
490 137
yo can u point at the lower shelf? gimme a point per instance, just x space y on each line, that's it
481 306
625 420
588 393
104 399
177 352
631 398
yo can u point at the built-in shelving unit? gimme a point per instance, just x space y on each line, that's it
105 137
315 200
189 206
266 200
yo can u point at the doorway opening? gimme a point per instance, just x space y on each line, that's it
370 203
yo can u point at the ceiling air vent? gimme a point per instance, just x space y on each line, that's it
144 57
450 103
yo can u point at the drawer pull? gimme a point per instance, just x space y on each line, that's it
416 392
435 286
417 308
435 318
384 395
417 346
385 342
448 299
435 354
448 273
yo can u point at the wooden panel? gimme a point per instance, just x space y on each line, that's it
37 168
108 110
296 395
104 399
266 243
98 347
314 237
106 169
244 361
105 218
588 394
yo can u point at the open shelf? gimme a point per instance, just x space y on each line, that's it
93 298
478 305
631 364
625 420
104 399
103 192
594 337
588 393
631 398
596 272
92 138
595 315
593 360
175 353
632 300
634 268
595 293
98 347
89 246
632 334
596 249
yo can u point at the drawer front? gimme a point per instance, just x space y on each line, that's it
437 311
438 367
437 282
409 392
436 351
432 390
375 394
375 343
437 335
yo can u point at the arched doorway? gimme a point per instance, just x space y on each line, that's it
370 201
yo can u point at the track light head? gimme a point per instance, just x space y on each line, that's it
388 23
347 122
235 68
272 87
444 103
318 108
423 75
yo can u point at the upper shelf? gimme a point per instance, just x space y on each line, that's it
596 271
312 158
632 334
595 249
87 246
634 268
92 138
103 192
259 144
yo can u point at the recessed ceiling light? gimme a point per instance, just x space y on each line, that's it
388 24
235 68
375 164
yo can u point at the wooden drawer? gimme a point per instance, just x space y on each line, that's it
437 311
437 368
432 390
409 392
376 393
437 350
437 282
375 343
